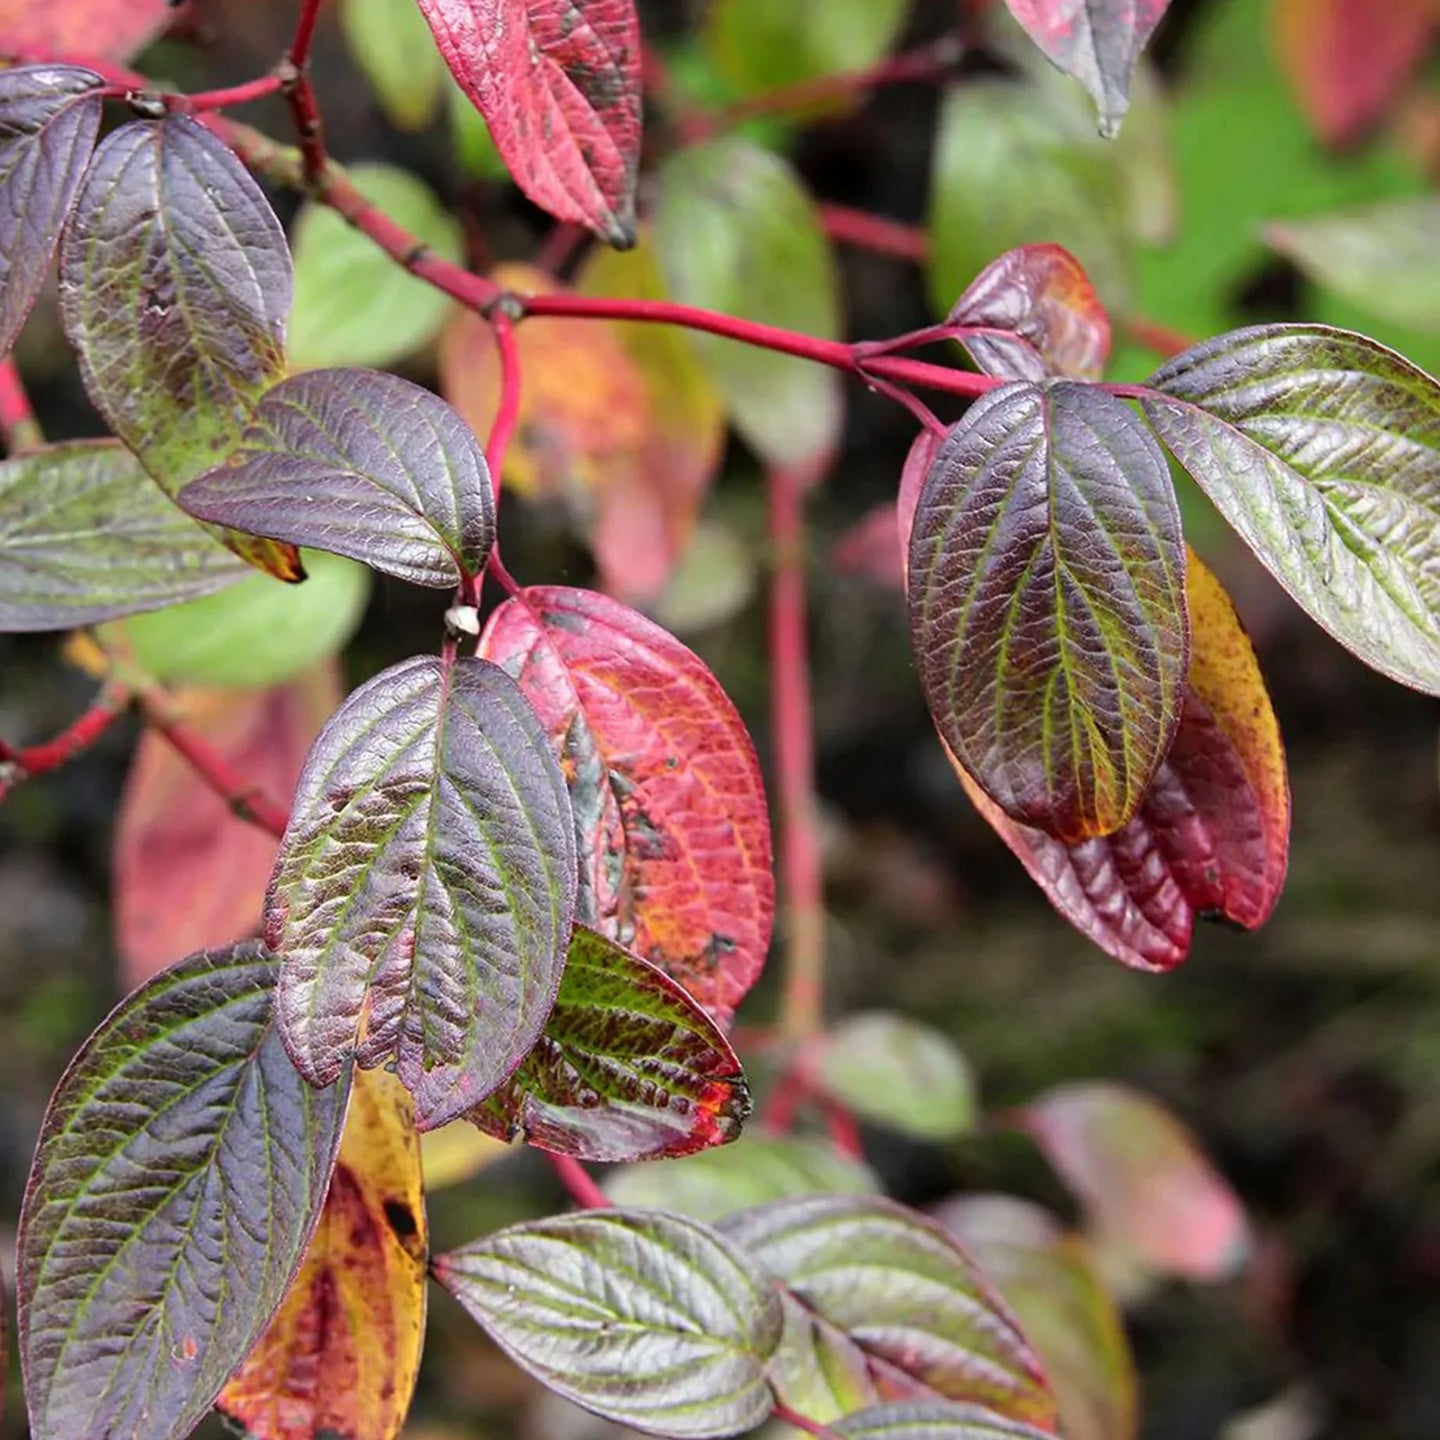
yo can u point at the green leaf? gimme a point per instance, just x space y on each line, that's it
897 1293
1322 450
475 152
1012 170
85 535
425 887
180 1171
737 232
897 1072
646 1318
1380 257
257 633
933 1420
754 1169
353 304
629 1067
391 43
1047 604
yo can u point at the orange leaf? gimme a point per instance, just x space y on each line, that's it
188 874
342 1354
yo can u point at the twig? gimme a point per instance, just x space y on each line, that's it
578 1182
18 426
804 1422
75 739
875 233
299 92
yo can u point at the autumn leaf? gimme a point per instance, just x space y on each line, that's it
104 29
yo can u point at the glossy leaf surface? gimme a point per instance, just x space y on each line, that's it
1322 450
644 1317
342 1353
49 118
423 896
893 1070
174 289
629 1067
874 1277
1147 1187
736 231
105 29
187 873
1047 605
673 833
1211 838
181 1169
360 464
1096 41
1049 1278
85 535
558 82
1042 295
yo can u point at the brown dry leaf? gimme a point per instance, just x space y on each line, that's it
341 1356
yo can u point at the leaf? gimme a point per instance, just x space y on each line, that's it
254 634
1146 1185
174 288
1322 450
421 904
933 1420
756 1168
342 1353
457 1152
1013 169
1096 41
1379 257
49 118
1348 61
1042 296
1049 1278
104 29
646 1318
364 465
899 1073
353 304
629 1067
1047 604
559 87
391 43
1212 835
713 584
189 874
670 815
85 535
180 1172
736 231
876 1278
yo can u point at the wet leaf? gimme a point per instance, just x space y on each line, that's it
360 464
421 904
49 118
104 29
1146 1185
673 832
180 1172
342 1353
253 634
1042 296
391 43
646 1318
1049 1278
880 1280
85 535
353 304
629 1067
1047 604
1322 450
1212 835
737 231
559 87
893 1070
1096 41
188 874
756 1168
174 289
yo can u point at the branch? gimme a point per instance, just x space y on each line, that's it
75 739
19 428
299 92
804 1422
578 1182
875 233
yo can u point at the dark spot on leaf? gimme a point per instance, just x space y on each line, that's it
401 1219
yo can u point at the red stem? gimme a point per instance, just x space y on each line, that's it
76 738
507 416
874 232
208 100
304 33
844 1130
578 1182
18 427
804 1422
299 92
1159 338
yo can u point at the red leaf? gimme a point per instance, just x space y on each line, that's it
189 875
1348 59
878 544
1212 836
97 29
673 830
558 82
